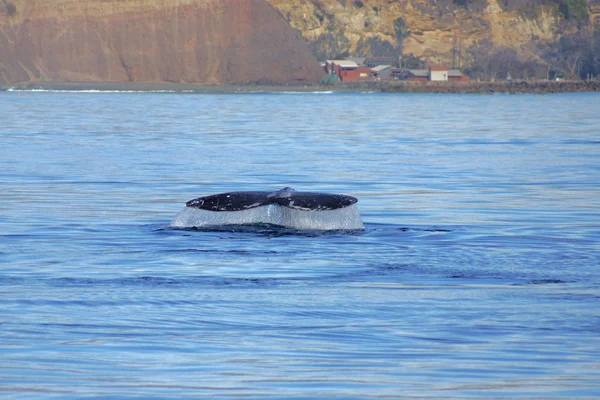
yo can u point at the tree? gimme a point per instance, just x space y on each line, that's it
573 9
401 32
576 55
488 62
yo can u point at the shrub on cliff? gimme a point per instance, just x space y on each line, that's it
573 9
570 10
331 45
376 47
401 32
9 8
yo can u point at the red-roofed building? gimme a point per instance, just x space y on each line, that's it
338 66
357 74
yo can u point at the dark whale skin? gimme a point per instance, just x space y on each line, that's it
287 197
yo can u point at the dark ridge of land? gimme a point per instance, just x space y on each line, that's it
533 87
510 87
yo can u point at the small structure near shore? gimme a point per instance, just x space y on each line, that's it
336 67
348 70
432 74
381 69
456 75
383 72
438 73
416 75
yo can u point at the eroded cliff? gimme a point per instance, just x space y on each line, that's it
433 30
195 41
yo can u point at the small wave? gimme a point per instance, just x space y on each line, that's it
157 281
546 281
213 251
270 230
434 230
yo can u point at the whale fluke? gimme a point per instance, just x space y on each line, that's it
286 197
286 208
232 201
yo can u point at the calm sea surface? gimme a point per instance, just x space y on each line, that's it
478 273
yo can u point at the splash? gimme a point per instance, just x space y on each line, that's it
347 218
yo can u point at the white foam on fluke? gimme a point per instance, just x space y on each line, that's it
347 218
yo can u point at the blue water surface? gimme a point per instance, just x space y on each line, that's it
477 275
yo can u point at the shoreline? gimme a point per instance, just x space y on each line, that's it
160 87
504 87
514 87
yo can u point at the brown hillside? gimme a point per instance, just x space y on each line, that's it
195 41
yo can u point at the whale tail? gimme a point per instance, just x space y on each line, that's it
286 197
286 208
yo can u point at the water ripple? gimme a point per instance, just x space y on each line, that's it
476 275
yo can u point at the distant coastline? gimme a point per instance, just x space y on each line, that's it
514 87
511 87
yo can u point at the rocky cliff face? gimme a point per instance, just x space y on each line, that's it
195 41
433 30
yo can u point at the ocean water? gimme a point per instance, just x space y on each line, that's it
477 274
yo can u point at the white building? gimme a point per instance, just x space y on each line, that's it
438 73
